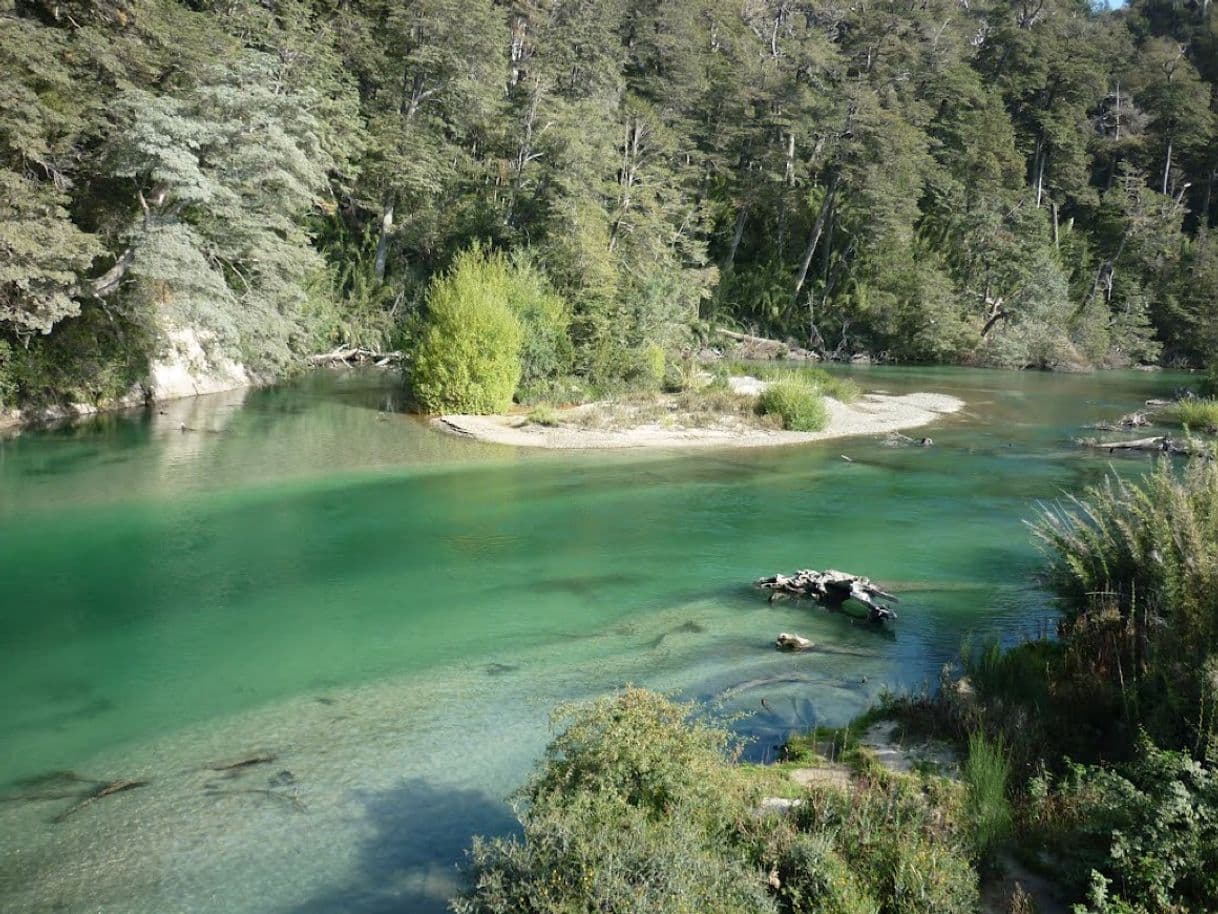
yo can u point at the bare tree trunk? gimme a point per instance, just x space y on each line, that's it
1167 165
737 234
1056 236
814 239
108 282
382 243
1041 155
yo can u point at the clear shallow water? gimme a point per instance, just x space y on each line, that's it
393 612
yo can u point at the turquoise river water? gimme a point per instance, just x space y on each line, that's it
307 573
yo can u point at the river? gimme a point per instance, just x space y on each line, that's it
307 573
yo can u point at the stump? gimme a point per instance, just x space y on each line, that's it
831 589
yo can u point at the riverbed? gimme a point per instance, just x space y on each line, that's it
388 614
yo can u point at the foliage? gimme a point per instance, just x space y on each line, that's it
545 414
1200 415
467 359
1135 566
987 771
1139 838
798 404
831 385
637 807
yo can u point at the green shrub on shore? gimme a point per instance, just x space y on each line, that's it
839 388
1198 414
468 358
800 405
638 808
545 414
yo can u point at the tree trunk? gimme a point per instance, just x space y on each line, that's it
382 244
1041 155
1167 165
814 239
737 234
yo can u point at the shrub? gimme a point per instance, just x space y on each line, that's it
1196 414
632 812
798 404
545 414
843 389
986 773
544 316
1144 835
1135 567
467 359
1209 384
814 879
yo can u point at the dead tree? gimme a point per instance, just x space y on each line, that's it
831 589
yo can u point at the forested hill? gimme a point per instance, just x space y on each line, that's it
1022 183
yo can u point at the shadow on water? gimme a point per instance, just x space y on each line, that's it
407 864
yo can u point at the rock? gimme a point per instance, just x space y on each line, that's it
777 805
861 358
789 642
926 442
189 368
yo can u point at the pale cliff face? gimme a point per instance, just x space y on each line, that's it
187 369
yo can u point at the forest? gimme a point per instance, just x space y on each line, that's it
1015 183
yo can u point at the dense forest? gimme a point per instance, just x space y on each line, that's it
1022 183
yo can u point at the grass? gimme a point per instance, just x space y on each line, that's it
545 414
1200 414
799 405
986 774
842 389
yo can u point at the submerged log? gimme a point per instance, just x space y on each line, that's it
831 589
105 790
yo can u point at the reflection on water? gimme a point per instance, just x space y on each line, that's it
394 612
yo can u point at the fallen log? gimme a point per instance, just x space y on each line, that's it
831 589
1161 444
355 355
762 348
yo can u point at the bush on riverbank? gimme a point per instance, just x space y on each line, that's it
468 359
639 808
839 388
1135 568
798 404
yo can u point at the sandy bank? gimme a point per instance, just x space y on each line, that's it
871 414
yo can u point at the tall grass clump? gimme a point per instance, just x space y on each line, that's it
798 404
1198 414
987 771
1135 568
843 389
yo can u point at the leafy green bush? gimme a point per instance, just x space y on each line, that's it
797 403
631 811
638 808
1197 414
1142 838
544 316
986 773
468 358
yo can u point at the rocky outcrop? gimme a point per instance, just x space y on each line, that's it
188 369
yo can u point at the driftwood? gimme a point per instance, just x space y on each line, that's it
831 589
355 355
761 348
1162 444
789 642
105 790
